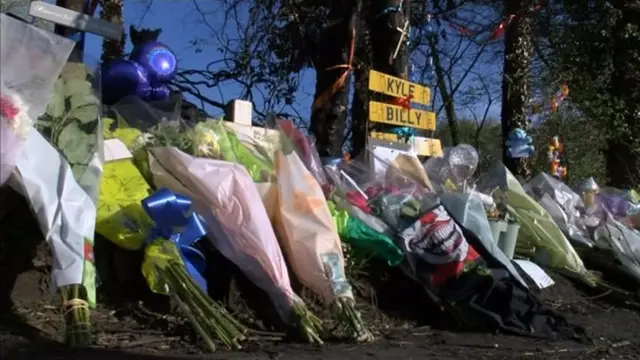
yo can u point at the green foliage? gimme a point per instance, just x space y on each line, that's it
594 45
71 122
583 141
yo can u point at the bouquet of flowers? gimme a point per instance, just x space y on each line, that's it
449 260
31 61
58 171
309 236
132 219
351 223
218 186
240 228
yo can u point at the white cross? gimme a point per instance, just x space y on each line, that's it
403 33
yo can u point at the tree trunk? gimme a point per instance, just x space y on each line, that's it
385 37
112 49
623 153
515 80
360 104
328 114
78 51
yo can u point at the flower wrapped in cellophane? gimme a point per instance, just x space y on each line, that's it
225 195
212 139
450 261
58 169
120 217
351 222
165 227
309 236
174 267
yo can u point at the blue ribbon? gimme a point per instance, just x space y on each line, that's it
519 144
404 132
175 221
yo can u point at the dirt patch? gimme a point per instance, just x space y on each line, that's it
132 323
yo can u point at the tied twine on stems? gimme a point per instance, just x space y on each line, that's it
174 220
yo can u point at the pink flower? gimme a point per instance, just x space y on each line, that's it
8 109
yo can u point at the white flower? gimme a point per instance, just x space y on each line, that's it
142 141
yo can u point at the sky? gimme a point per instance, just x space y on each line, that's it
182 24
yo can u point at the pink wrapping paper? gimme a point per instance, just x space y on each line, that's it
225 195
307 231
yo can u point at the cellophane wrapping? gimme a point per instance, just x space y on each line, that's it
239 227
307 231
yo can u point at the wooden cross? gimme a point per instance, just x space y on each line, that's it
404 31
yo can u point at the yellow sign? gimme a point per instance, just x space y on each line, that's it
399 116
384 136
393 86
427 146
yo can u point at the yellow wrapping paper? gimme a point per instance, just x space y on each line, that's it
120 217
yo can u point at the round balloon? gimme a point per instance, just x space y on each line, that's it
122 78
158 59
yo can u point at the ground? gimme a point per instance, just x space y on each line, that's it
132 325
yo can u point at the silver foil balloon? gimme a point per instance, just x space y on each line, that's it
463 160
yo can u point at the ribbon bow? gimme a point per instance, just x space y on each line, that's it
175 221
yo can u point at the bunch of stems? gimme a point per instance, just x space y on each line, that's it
209 319
76 315
349 319
308 324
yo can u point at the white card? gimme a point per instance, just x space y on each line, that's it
114 149
535 272
384 156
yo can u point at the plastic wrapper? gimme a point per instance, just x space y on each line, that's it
212 139
307 231
400 199
58 171
454 264
305 148
618 203
225 195
392 196
120 217
623 242
31 60
552 249
468 211
562 204
365 241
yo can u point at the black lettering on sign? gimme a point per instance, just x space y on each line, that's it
400 87
412 89
389 84
418 116
389 113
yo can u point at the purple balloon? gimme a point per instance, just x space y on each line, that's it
155 93
158 59
122 78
